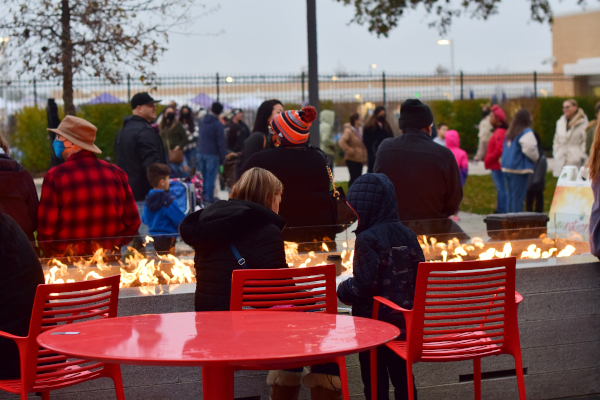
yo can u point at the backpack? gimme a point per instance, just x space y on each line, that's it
185 196
396 280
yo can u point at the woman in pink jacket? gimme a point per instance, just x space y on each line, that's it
494 154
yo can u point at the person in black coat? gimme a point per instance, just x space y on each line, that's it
237 131
258 140
18 195
138 145
302 169
537 181
249 221
21 274
425 175
386 258
376 130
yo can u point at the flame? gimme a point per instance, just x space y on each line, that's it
137 270
97 260
291 249
147 240
453 250
566 252
325 248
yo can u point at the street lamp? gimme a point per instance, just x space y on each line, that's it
444 42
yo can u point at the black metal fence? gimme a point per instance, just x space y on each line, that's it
248 91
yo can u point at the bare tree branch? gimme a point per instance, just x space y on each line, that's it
103 38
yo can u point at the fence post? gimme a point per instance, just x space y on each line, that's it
303 78
35 92
383 84
462 93
128 88
217 86
534 84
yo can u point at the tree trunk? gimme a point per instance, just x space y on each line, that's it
67 58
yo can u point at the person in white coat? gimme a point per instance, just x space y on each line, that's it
570 137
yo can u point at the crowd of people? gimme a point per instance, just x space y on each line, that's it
280 180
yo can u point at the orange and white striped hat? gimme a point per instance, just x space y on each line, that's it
290 128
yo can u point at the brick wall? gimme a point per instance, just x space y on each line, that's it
575 36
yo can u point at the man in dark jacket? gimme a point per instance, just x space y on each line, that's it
237 132
386 258
138 145
211 150
18 196
425 174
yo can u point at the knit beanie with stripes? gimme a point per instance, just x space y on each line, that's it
290 128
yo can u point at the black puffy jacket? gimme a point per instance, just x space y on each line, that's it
386 254
138 145
21 274
253 229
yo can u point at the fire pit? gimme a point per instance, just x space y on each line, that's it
150 273
155 274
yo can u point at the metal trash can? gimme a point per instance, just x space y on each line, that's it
514 226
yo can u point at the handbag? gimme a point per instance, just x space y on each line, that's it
175 156
344 215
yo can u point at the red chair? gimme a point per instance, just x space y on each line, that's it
65 303
304 289
462 311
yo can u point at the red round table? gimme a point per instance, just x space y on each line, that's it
218 341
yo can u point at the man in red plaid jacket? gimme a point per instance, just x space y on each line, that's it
86 203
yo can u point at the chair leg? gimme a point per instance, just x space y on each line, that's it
373 355
520 377
409 381
341 362
477 377
115 374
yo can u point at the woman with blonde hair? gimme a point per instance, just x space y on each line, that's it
248 222
594 166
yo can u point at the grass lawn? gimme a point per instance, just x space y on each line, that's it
479 194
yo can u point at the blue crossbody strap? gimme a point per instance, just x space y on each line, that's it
241 261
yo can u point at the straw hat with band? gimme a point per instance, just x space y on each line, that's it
290 128
78 131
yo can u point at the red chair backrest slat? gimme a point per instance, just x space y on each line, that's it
65 303
462 298
305 289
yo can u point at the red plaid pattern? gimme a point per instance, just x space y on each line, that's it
85 198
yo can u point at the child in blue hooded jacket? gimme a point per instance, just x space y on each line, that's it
386 257
161 213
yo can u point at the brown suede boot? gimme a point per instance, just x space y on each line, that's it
323 386
285 385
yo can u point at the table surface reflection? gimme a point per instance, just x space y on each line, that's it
222 337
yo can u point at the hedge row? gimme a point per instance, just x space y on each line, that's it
464 116
31 139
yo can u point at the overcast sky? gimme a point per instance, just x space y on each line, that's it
270 36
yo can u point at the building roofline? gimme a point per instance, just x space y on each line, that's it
573 13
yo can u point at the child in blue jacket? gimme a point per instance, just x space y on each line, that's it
386 257
161 213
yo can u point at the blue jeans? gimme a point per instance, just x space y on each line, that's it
208 165
190 157
516 187
498 179
177 170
